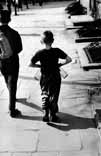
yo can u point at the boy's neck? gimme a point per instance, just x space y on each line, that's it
48 46
3 24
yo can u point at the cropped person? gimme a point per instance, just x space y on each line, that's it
10 47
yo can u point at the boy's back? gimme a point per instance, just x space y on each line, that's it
49 59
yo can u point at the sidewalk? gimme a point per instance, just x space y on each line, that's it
75 134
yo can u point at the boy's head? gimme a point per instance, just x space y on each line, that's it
5 17
47 37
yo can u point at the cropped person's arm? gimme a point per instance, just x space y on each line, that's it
18 43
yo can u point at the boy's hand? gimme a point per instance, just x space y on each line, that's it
60 64
35 65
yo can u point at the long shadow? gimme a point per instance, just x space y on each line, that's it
31 34
27 117
30 104
68 122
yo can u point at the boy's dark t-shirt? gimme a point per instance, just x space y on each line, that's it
49 59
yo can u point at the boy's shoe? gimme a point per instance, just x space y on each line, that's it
54 118
15 113
46 118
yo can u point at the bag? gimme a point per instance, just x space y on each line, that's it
37 75
63 73
5 48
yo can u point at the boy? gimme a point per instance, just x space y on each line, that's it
50 74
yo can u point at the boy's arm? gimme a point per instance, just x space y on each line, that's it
65 58
35 65
34 61
66 61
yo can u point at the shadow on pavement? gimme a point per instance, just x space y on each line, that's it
66 121
32 105
69 122
30 34
27 117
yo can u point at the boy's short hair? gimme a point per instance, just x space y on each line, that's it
47 37
5 16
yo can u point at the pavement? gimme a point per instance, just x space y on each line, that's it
75 134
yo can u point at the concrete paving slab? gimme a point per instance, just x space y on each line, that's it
57 140
15 140
3 89
5 94
74 100
99 133
4 105
90 139
23 93
45 154
21 154
100 148
96 100
29 107
29 86
29 99
79 153
25 122
5 154
80 110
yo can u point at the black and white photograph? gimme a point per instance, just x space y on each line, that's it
50 78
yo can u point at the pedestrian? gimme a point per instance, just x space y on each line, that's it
40 3
1 7
50 80
10 47
8 3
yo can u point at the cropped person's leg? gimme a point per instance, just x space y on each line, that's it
11 82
